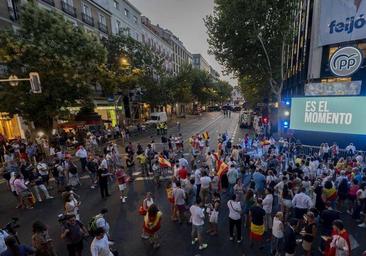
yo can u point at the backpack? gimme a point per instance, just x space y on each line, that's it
73 169
92 224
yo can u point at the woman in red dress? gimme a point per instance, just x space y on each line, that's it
152 224
339 242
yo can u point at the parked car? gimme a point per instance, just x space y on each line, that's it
213 108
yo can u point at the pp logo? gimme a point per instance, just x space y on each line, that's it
346 61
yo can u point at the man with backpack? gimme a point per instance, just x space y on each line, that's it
99 221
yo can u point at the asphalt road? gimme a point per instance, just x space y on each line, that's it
125 222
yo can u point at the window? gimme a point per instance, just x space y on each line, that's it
10 4
69 2
102 19
127 13
135 20
118 26
116 4
86 9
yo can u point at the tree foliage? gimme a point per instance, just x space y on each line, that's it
66 57
248 38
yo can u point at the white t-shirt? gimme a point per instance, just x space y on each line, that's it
205 182
198 215
361 194
267 203
234 209
179 196
277 229
100 247
3 235
197 177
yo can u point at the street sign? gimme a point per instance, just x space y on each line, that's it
13 80
35 82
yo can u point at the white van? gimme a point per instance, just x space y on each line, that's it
157 117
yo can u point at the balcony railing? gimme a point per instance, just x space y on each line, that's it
103 27
50 2
87 19
69 9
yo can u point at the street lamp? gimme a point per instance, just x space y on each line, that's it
123 62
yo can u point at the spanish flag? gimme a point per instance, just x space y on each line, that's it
330 194
222 168
164 162
205 135
256 231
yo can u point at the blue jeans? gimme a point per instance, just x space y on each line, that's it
276 245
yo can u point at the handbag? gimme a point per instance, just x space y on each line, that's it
142 211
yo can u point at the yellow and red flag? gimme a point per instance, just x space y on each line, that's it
164 162
222 168
205 135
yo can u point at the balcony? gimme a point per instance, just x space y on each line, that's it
87 19
50 2
103 27
69 9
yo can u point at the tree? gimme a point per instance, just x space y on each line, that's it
222 91
131 63
67 58
249 38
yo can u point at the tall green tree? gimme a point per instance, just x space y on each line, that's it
67 58
249 38
130 63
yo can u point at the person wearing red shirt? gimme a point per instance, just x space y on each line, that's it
183 173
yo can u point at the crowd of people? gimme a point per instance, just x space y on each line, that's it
271 191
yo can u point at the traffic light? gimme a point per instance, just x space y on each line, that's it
35 82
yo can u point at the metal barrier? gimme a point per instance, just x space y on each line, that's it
311 150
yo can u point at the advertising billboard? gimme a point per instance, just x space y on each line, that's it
342 21
329 114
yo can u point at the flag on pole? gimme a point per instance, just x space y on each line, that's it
164 162
205 135
222 168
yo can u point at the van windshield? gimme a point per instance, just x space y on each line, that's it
155 118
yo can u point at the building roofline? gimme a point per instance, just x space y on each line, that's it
132 6
99 6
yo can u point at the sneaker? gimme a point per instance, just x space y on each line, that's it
362 225
92 187
231 238
194 241
239 241
203 246
143 236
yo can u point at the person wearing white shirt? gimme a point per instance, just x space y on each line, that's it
267 204
100 244
198 221
82 154
205 181
101 221
235 211
277 233
197 180
302 203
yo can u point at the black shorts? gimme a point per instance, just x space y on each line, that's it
74 248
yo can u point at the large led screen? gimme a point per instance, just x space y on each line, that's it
329 114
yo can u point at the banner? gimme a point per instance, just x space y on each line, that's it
333 89
342 21
329 114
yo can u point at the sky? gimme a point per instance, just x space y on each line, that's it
185 19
